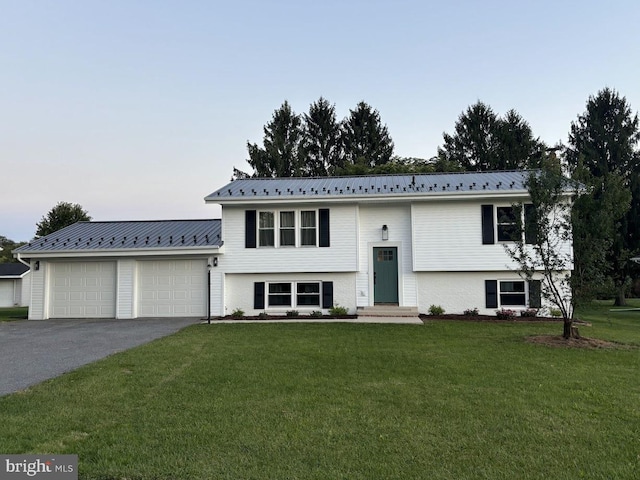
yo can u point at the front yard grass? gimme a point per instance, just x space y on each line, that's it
447 400
9 314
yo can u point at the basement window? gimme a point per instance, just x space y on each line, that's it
512 294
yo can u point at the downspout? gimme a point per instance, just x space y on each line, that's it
17 255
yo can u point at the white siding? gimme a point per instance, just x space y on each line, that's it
217 291
448 237
398 220
25 294
458 291
240 290
341 256
126 290
39 296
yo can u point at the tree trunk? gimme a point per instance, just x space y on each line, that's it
621 300
566 331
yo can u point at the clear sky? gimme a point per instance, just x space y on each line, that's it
138 109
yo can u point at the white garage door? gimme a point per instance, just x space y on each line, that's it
83 290
6 293
172 288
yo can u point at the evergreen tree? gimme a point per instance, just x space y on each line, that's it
321 148
604 142
483 141
365 140
280 154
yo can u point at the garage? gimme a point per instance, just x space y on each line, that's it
82 290
7 296
172 288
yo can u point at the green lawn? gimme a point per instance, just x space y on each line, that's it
447 400
13 313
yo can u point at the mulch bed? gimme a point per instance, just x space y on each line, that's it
559 341
493 318
283 317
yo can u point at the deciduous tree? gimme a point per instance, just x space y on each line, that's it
542 250
60 216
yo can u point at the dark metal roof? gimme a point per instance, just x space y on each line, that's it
372 185
13 269
136 235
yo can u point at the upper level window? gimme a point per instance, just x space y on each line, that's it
266 229
287 229
308 227
507 224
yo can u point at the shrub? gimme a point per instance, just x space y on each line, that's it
505 314
555 312
263 315
293 313
472 312
316 314
436 310
338 311
529 312
237 313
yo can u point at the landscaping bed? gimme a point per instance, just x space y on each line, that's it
488 318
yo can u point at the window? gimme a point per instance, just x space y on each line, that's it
507 224
512 294
287 229
266 229
308 295
308 227
279 294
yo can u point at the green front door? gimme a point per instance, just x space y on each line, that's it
385 275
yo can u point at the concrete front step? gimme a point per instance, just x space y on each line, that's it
387 311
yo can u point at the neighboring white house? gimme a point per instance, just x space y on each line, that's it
15 285
299 244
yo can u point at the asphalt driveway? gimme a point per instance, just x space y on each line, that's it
36 350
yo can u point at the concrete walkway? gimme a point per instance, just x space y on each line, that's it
35 350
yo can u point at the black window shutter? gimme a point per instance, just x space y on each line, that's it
530 224
250 229
487 225
327 294
324 227
258 295
535 294
491 293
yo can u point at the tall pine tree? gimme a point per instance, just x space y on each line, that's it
320 145
365 140
484 141
280 154
604 144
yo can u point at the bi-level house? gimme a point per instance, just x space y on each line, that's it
303 244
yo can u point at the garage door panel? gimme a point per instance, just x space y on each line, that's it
82 290
172 288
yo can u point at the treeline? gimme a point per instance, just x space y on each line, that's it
316 143
602 154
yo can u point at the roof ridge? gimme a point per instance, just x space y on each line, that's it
376 175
